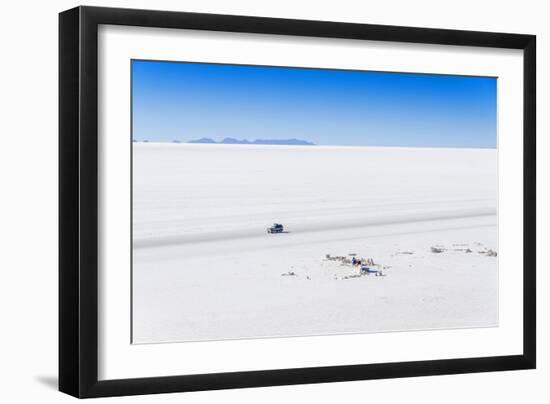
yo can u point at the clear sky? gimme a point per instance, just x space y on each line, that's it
186 101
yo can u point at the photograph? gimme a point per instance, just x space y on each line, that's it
299 198
275 201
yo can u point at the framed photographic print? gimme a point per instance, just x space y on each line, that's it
250 201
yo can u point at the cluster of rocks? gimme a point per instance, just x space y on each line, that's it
489 253
438 249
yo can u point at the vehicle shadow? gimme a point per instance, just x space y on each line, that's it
48 381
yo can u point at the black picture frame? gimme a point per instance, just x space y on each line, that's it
78 201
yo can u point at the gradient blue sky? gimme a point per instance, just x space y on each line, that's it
185 101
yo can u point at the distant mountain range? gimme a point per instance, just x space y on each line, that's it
230 140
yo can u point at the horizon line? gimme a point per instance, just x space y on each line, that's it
183 142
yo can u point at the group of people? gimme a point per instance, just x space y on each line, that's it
368 261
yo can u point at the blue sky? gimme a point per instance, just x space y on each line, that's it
185 101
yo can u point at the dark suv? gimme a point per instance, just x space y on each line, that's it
276 228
